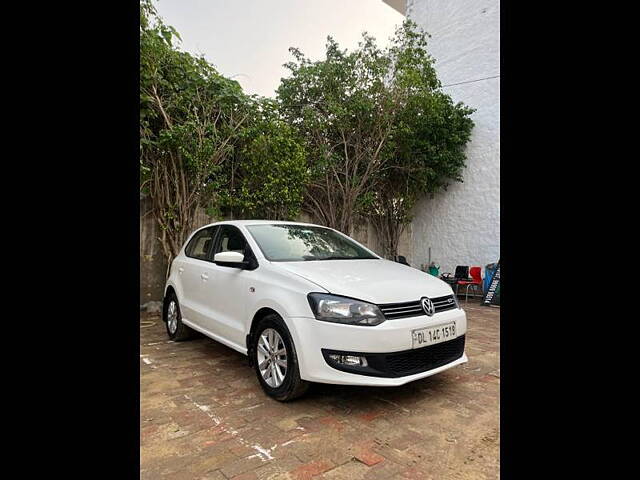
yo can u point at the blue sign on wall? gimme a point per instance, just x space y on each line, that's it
492 297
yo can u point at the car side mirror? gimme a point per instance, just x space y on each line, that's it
230 259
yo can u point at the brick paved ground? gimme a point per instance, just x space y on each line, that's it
203 416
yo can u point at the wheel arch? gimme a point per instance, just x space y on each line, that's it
165 300
259 315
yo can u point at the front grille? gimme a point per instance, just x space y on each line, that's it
392 311
401 364
425 358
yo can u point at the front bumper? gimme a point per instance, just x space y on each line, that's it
311 337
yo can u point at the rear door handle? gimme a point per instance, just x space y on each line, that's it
204 276
180 270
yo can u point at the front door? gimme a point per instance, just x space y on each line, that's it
227 294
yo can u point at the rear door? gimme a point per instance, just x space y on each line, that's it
194 274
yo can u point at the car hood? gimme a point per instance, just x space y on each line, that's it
376 280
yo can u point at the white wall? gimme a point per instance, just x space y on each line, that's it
462 225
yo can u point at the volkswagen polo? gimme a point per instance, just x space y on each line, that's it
307 303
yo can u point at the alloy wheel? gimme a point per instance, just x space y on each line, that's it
272 357
172 317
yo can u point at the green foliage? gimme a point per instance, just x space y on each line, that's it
205 143
270 172
426 149
379 131
190 117
186 107
358 135
343 110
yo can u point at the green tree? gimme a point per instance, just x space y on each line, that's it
269 172
378 129
343 109
190 117
426 149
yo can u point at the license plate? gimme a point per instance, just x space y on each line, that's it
432 335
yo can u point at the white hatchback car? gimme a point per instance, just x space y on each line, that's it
309 304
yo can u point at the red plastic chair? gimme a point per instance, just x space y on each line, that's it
475 282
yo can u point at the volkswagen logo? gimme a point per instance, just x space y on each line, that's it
427 306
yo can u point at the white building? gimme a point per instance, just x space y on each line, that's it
462 225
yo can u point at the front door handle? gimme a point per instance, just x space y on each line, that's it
204 276
180 270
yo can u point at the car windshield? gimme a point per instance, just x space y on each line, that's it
293 243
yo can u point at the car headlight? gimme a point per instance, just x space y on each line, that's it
332 308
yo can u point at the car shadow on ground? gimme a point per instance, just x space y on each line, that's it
412 392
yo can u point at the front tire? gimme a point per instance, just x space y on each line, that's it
275 360
176 330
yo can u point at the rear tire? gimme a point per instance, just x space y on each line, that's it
172 317
275 361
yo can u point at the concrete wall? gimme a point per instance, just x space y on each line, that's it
152 264
462 225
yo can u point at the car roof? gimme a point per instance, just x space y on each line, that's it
262 222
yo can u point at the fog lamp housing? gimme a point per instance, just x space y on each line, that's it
348 360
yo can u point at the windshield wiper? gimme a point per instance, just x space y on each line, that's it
337 257
309 258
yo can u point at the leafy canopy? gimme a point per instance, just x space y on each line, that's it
344 111
378 129
269 174
204 143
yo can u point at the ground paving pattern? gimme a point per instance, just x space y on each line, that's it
203 416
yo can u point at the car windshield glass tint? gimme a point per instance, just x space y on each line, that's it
292 243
